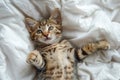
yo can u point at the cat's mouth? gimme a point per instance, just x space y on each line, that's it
47 38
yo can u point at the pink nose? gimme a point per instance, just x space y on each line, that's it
46 34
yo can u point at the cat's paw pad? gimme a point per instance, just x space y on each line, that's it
104 45
32 57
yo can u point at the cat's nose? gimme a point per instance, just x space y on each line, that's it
46 34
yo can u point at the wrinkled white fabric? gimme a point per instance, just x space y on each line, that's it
83 21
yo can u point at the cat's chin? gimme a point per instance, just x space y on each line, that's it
51 41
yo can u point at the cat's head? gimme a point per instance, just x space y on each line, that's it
47 31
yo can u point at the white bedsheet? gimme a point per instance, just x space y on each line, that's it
83 21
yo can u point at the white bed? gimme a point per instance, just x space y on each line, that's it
83 21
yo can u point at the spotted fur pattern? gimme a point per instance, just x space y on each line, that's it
57 60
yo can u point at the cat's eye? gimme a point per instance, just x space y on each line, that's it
50 28
39 31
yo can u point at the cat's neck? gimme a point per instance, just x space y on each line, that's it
39 45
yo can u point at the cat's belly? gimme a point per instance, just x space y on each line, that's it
59 67
60 73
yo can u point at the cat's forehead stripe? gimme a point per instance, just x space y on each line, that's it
43 22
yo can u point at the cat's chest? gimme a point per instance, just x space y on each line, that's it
58 59
62 57
57 55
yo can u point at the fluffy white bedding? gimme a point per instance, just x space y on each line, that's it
83 21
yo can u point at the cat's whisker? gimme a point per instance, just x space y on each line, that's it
47 38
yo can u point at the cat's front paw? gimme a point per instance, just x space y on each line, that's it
34 58
104 45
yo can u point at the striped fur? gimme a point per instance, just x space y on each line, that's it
57 60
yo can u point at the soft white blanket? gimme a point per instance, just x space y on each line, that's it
83 21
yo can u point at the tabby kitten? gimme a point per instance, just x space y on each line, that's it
56 61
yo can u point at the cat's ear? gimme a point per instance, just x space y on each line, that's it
30 24
56 16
